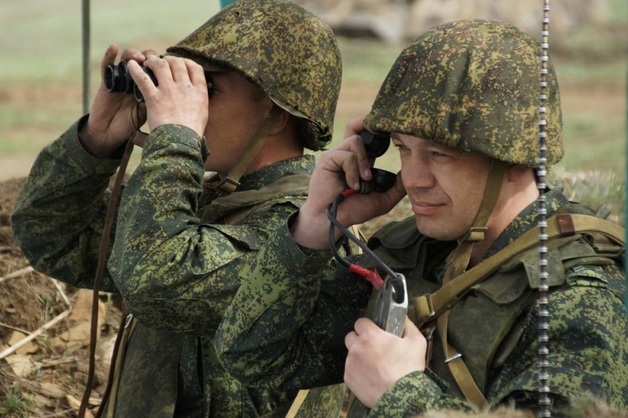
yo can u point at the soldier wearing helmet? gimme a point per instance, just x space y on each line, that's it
230 110
461 105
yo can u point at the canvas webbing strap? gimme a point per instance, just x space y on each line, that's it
559 225
458 260
298 401
429 306
457 263
100 268
459 369
231 182
117 361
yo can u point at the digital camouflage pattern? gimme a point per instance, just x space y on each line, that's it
281 47
177 251
319 402
178 268
472 85
287 323
579 408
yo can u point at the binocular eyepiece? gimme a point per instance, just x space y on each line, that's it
117 79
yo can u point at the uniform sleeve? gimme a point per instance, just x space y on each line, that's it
176 272
59 214
287 323
588 355
415 394
588 345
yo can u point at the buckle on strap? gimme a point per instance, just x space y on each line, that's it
566 225
476 233
228 185
424 309
452 358
129 318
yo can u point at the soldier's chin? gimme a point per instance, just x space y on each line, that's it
437 230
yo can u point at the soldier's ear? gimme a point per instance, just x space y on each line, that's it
280 123
517 171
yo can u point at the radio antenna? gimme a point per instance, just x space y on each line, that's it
543 304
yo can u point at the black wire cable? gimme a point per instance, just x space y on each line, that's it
370 275
332 210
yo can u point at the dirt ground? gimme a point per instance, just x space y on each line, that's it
46 376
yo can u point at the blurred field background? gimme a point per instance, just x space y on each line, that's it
41 79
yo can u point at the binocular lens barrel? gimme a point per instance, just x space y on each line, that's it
118 80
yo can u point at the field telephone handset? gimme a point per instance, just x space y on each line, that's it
376 145
389 306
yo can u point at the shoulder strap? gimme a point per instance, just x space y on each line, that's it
454 287
298 401
231 208
430 306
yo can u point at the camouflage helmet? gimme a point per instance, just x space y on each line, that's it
282 48
472 85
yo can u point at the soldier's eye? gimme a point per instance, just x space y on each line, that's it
211 88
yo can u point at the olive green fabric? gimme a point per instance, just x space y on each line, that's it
282 326
320 402
172 258
281 47
472 85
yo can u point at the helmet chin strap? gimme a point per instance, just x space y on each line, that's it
458 260
229 183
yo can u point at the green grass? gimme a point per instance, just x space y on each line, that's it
592 145
16 403
44 39
366 59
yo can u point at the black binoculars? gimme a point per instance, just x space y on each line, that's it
118 80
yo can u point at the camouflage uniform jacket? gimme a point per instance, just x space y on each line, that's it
289 328
173 259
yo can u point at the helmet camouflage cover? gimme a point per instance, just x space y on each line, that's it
472 85
282 48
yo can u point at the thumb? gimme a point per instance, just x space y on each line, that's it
411 331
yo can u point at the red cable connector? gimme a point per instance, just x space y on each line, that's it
371 276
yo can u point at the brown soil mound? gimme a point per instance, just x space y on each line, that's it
44 332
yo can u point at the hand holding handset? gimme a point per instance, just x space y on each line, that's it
376 145
390 306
